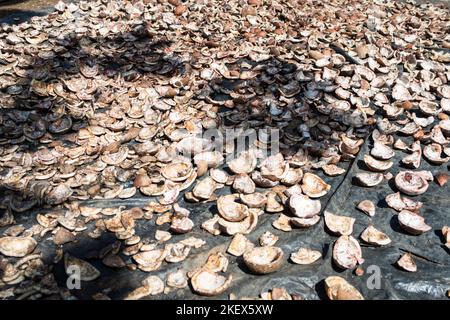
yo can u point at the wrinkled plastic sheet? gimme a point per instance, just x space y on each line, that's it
431 281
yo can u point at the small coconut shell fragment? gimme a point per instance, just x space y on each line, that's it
446 233
412 222
87 272
254 200
305 256
338 288
407 263
272 204
304 222
433 153
17 246
367 206
268 239
177 279
442 179
373 236
239 245
263 260
245 163
381 151
243 184
339 225
347 252
63 236
283 223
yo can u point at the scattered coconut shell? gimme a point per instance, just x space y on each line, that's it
239 245
245 163
243 184
304 207
339 225
305 256
397 202
412 222
338 288
381 151
406 262
313 186
87 272
17 246
268 239
332 170
433 154
231 210
208 283
373 236
377 165
254 200
347 252
411 183
263 260
367 206
369 179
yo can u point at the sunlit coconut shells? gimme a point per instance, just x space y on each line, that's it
208 283
367 206
219 175
338 288
230 210
433 154
347 252
239 245
407 263
304 207
369 179
177 279
305 256
397 202
263 260
350 146
85 270
245 163
411 183
377 165
150 260
381 151
412 222
17 246
339 225
313 186
268 239
375 237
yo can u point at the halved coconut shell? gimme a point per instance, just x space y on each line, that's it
263 260
244 226
367 206
305 222
411 183
305 256
254 200
397 202
267 239
347 252
413 160
313 186
377 165
304 207
245 163
219 175
338 288
17 246
339 225
231 210
407 263
208 283
87 272
369 179
374 236
433 153
239 245
177 171
272 204
243 184
412 222
274 167
381 151
332 170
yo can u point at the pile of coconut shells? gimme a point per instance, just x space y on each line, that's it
108 168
